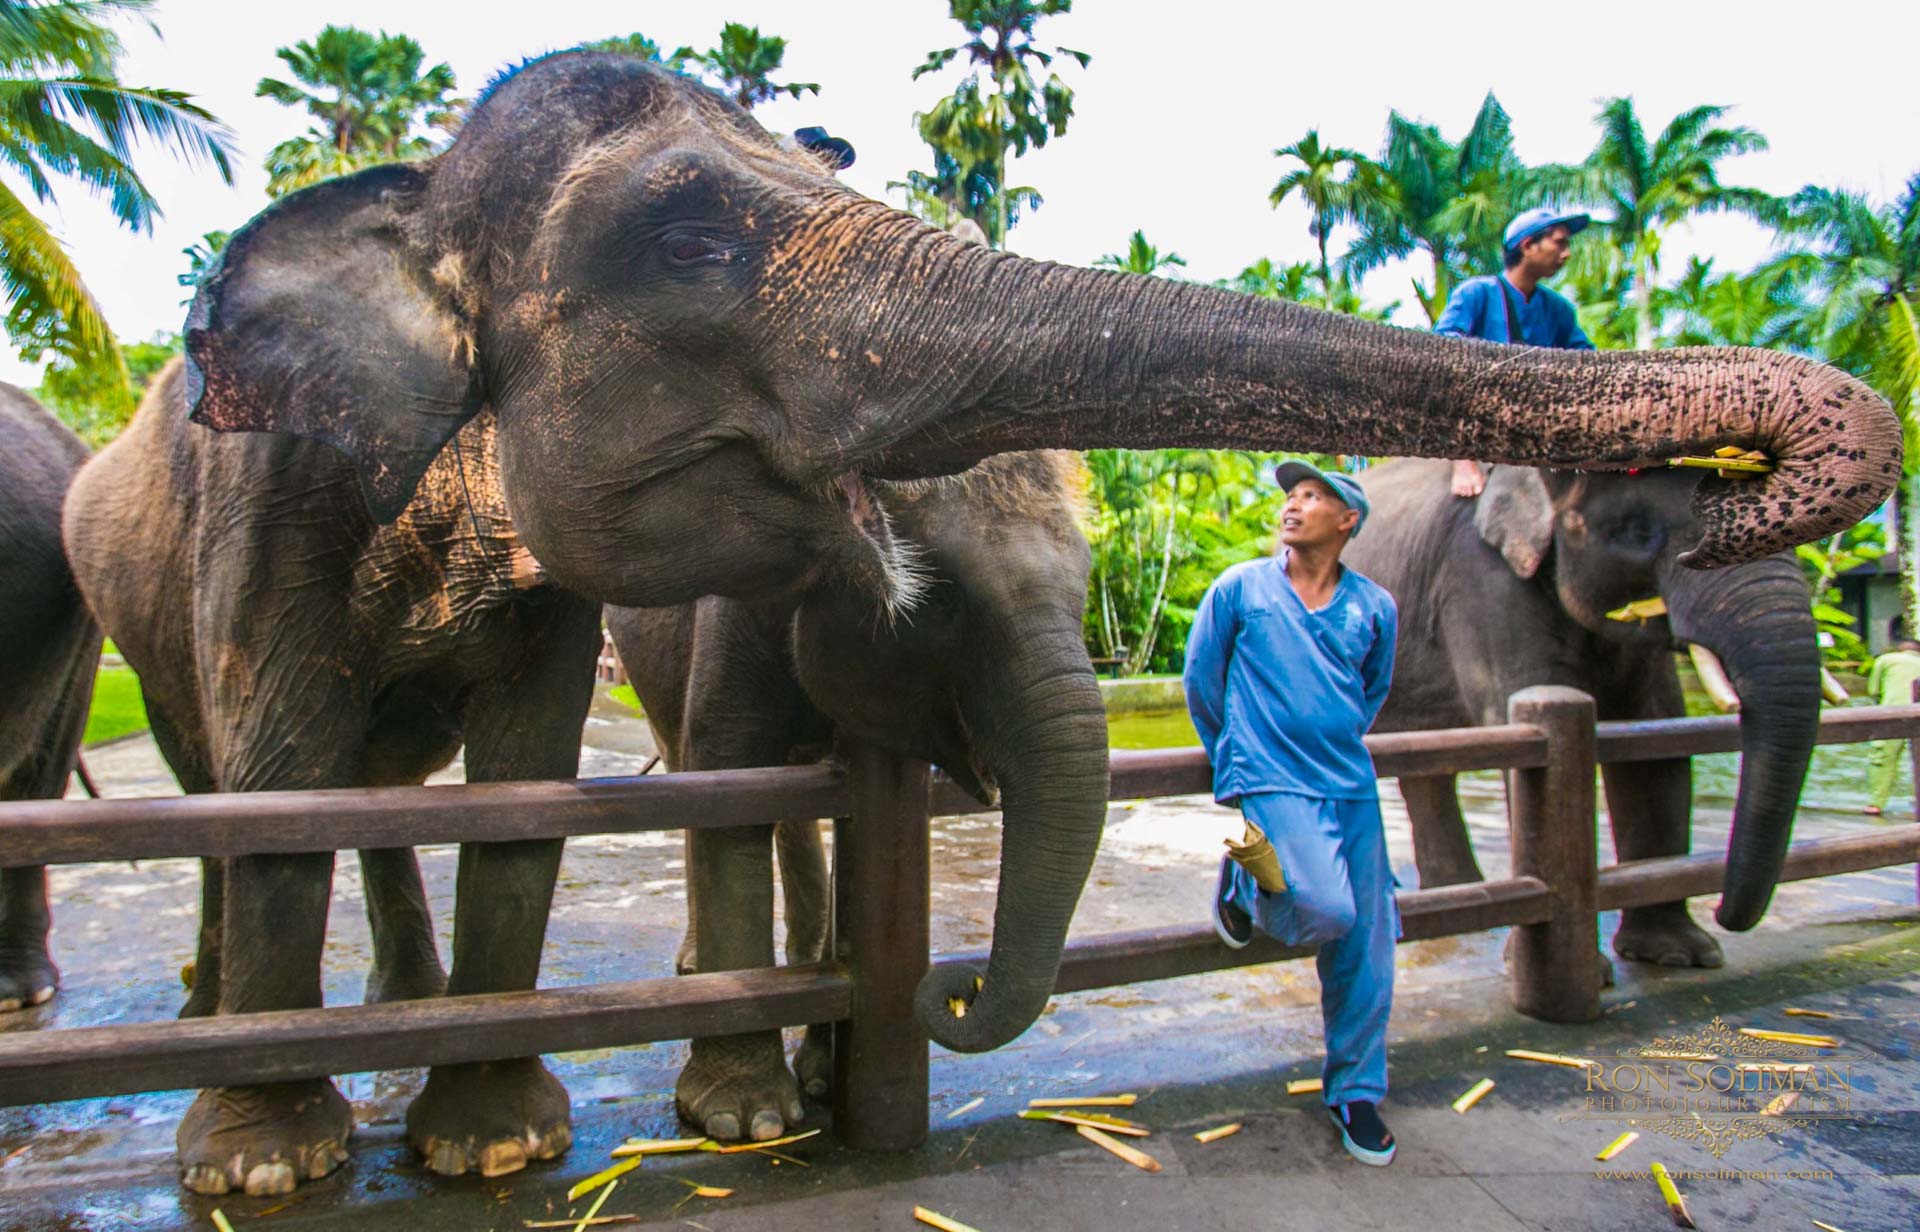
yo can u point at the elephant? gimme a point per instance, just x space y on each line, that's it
51 646
700 352
285 640
987 676
1514 588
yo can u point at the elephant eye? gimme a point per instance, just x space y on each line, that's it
697 250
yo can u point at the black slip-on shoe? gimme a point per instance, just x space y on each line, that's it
1233 926
1363 1133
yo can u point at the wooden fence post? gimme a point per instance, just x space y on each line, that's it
880 908
1556 965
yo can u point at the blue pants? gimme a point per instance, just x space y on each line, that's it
1339 896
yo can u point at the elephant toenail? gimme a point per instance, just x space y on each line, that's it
322 1159
767 1125
723 1125
271 1179
795 1113
446 1158
42 995
9 1004
206 1179
500 1158
817 1088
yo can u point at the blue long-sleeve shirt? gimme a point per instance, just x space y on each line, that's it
1547 319
1281 696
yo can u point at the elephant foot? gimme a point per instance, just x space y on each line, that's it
265 1140
1605 965
27 978
490 1117
418 980
738 1087
813 1062
1666 935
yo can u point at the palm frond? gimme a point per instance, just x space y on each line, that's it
48 305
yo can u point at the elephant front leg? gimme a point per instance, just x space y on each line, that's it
266 1139
1441 848
736 1086
1650 804
492 1117
27 974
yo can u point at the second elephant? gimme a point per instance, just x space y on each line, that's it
1513 589
986 675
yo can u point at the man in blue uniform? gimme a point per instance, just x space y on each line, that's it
1287 666
1514 306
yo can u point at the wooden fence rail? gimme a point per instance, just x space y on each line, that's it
881 905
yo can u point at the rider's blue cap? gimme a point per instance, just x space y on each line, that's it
1346 487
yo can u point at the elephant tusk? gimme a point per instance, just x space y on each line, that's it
1713 678
1832 689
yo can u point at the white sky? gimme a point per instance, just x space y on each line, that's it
1175 122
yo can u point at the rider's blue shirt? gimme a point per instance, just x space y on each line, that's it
1547 319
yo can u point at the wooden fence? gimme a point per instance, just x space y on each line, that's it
880 1092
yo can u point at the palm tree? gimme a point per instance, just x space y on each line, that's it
1140 257
367 95
744 63
1856 270
64 112
1319 183
966 165
643 48
1712 309
1017 113
1301 283
1647 188
1427 195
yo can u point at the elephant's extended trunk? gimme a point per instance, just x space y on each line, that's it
1756 619
1040 726
997 352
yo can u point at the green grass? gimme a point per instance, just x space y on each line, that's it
624 694
117 707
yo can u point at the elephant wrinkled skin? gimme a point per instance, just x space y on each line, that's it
285 640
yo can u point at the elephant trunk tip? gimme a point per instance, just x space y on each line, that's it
1739 911
953 1006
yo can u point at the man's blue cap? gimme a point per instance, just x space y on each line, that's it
1346 487
1534 221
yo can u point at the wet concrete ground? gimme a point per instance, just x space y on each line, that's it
1204 1049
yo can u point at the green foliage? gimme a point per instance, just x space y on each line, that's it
1318 181
1449 201
1302 283
1823 562
94 404
118 708
1140 257
367 95
64 113
200 259
641 47
977 127
744 62
1643 188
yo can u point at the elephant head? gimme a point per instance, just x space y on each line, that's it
1611 540
988 676
701 348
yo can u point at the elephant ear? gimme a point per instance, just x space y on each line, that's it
1514 514
316 322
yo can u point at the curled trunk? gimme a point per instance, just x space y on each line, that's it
1756 619
1039 725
